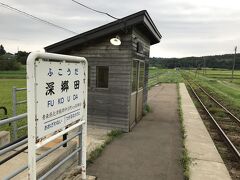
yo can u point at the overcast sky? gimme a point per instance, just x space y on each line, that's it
188 27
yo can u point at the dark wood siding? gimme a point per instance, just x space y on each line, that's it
109 107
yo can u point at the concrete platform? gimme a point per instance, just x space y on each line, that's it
206 163
4 138
152 150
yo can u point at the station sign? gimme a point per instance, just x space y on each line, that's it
60 92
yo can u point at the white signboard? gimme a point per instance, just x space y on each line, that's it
60 92
56 102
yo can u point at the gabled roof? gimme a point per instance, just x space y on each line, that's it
140 18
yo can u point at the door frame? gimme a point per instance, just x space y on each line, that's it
136 120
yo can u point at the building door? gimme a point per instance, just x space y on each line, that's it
137 92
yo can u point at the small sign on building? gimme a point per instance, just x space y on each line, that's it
57 101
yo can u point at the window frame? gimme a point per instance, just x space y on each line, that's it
97 77
137 86
141 83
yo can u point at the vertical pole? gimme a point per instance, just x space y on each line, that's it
64 138
84 150
31 111
196 68
204 65
14 112
189 67
234 61
80 145
84 128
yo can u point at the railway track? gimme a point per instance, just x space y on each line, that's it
227 124
224 127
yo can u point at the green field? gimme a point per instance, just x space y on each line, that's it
220 85
157 75
20 74
13 74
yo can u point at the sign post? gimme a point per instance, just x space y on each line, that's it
57 102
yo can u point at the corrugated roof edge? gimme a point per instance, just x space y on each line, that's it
72 41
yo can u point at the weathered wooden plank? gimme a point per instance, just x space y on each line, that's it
106 119
109 55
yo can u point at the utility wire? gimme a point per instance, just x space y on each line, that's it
95 10
36 18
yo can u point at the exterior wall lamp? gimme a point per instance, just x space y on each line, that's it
115 41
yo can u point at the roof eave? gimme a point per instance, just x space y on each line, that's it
140 17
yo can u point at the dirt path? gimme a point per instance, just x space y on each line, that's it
152 150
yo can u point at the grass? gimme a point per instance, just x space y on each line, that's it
6 101
20 74
6 86
185 159
171 76
146 110
98 151
157 75
12 75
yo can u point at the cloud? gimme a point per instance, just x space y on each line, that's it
189 27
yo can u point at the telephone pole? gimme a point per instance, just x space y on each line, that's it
234 61
204 65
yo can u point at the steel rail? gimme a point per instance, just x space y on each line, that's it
227 140
231 114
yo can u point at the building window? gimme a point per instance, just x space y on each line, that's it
102 76
139 47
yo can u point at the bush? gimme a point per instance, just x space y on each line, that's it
7 65
146 109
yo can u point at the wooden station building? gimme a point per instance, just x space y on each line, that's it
117 75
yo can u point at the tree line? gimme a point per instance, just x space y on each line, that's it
9 61
216 61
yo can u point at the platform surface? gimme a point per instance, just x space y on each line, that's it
206 163
152 150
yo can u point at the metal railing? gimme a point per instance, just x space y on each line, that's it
154 79
15 144
23 141
18 142
15 104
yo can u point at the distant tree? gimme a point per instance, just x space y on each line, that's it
2 50
215 61
22 56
